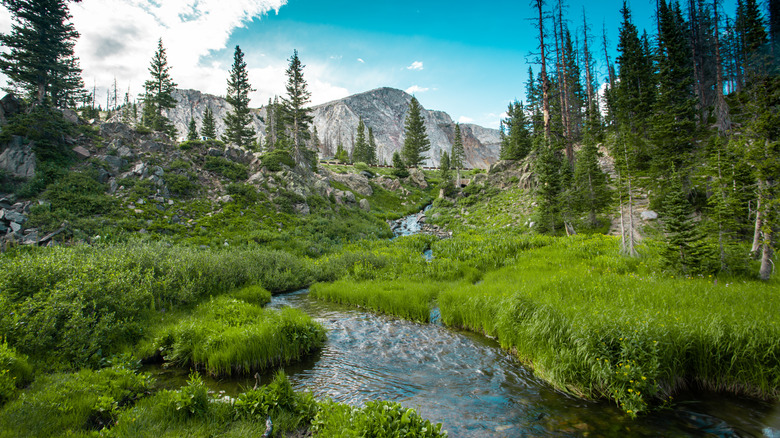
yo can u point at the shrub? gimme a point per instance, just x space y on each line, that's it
58 403
274 160
376 419
180 185
244 193
79 193
226 168
15 372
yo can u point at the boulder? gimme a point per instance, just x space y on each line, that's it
355 182
225 199
302 209
349 197
9 106
125 152
70 115
417 177
114 163
81 152
500 166
18 159
117 130
364 204
649 215
390 184
214 152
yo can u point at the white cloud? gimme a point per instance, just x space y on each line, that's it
416 89
360 60
119 37
416 65
464 119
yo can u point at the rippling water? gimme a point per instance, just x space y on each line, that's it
475 389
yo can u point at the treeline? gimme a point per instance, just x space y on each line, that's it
689 114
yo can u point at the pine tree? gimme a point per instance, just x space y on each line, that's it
548 187
361 152
516 145
341 154
39 57
674 110
444 166
752 36
192 132
416 143
372 147
682 251
209 129
159 94
593 194
458 153
399 167
238 129
297 116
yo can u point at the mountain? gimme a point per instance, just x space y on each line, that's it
382 109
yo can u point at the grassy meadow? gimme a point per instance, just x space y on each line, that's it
584 318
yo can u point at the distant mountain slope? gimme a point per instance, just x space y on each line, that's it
383 109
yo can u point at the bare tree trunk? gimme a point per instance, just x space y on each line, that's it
588 75
721 107
545 80
767 266
631 244
759 223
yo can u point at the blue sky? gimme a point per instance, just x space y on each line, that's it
466 58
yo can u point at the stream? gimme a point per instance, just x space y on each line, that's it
475 389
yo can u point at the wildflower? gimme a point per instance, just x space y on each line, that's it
629 411
630 390
644 378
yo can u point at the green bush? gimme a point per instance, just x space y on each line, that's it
274 160
180 185
244 193
60 404
226 336
226 168
376 419
254 294
79 193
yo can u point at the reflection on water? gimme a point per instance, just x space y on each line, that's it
475 389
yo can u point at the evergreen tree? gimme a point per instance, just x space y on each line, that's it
39 57
361 152
238 122
192 132
548 189
341 154
682 251
444 166
416 143
593 194
399 167
297 116
209 129
158 94
752 36
372 147
458 153
674 110
516 145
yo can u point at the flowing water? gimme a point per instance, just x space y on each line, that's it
472 386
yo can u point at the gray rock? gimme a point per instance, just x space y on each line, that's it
112 185
125 152
225 199
18 159
15 227
114 163
417 177
349 197
214 152
365 205
152 146
649 215
9 106
390 184
158 171
140 169
117 130
355 182
103 176
13 216
70 115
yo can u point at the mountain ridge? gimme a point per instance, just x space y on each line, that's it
383 109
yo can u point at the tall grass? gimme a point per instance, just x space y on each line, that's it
226 336
600 325
77 305
66 404
407 299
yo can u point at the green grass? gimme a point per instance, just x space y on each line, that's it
407 299
584 318
226 336
72 403
375 419
73 306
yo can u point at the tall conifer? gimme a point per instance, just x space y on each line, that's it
237 122
158 94
209 129
416 143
